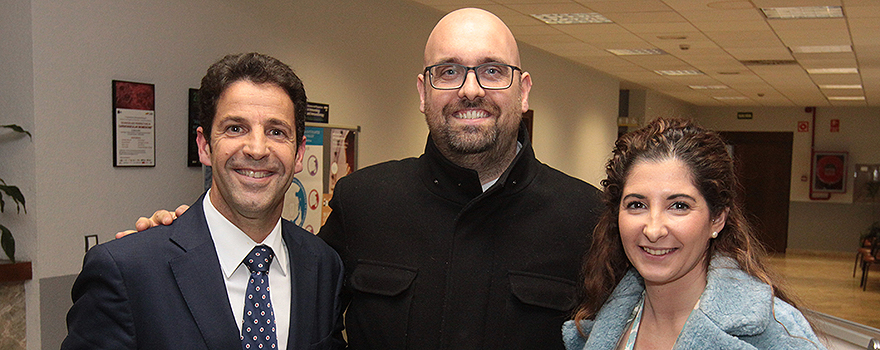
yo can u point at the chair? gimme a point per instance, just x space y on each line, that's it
868 260
867 243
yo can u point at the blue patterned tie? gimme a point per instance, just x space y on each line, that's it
258 326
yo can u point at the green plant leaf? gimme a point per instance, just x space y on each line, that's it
7 242
17 128
16 195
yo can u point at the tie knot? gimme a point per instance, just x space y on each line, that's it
259 259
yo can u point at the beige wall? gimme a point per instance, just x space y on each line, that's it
361 57
830 225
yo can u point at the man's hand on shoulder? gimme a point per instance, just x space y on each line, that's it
160 217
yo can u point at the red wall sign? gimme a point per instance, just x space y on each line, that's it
803 126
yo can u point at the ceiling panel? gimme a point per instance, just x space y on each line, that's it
712 36
566 7
625 6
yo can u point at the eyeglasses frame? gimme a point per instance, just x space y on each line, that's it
430 76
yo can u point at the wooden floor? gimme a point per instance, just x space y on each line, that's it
824 283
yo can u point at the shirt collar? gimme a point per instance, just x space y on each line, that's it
233 245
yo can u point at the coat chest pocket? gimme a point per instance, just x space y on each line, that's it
380 278
541 290
380 292
536 308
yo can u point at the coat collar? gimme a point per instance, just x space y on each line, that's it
200 280
462 185
733 304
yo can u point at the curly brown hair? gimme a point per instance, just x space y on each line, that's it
712 169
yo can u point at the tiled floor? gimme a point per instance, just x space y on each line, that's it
824 283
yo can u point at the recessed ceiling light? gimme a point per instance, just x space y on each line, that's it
803 12
571 18
731 98
846 98
636 52
678 72
708 87
853 86
833 71
821 49
768 62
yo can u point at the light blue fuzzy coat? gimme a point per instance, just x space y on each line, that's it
736 312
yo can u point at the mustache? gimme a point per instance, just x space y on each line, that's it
479 103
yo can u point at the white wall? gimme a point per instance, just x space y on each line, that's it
657 106
17 153
360 57
575 121
16 99
834 224
859 128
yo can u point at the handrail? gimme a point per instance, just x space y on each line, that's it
844 330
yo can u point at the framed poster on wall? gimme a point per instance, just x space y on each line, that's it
134 118
829 172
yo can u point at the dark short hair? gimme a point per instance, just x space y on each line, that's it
258 69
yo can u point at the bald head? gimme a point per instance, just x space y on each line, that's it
468 33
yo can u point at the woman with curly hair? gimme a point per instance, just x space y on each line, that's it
674 264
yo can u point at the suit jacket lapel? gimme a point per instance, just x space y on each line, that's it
200 280
303 289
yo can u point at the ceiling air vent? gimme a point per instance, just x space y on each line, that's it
768 62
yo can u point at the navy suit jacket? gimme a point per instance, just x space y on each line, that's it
163 289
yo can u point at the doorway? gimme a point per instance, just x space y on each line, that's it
763 164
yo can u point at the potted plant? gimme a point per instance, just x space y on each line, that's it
6 240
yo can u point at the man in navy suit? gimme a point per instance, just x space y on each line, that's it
185 286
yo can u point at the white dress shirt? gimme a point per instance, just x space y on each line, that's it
232 246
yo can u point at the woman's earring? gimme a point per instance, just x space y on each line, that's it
715 234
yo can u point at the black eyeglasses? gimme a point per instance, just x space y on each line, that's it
490 76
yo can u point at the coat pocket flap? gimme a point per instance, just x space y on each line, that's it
380 278
542 290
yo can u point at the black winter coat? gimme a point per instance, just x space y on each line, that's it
433 262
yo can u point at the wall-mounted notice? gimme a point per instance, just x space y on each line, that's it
134 124
192 150
302 203
318 112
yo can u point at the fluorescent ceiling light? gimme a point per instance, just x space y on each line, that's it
853 86
821 49
803 12
672 37
846 98
571 18
636 52
731 98
678 72
708 87
833 70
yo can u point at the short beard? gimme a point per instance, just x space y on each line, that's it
469 139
